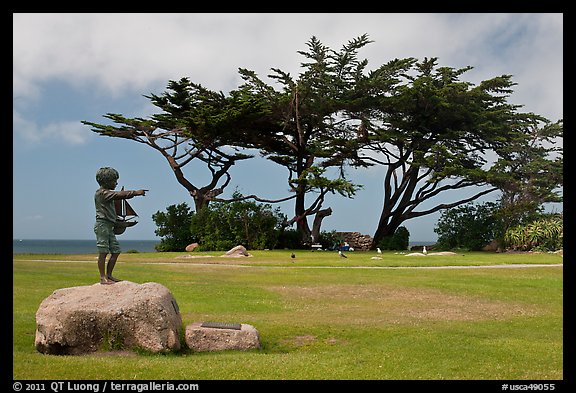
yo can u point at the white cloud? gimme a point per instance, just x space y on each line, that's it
121 52
69 132
125 55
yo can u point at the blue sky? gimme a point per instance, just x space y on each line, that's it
73 67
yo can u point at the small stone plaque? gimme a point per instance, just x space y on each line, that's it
222 325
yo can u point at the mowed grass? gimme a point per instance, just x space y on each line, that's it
322 317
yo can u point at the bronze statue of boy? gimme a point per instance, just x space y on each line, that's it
106 219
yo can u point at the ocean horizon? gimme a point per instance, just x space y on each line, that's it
88 246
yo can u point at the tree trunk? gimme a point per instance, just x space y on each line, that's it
385 230
320 215
302 221
200 201
396 198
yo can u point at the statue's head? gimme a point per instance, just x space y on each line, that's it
107 177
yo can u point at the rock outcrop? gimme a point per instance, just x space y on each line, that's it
124 315
356 240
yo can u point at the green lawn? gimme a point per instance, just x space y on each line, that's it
318 319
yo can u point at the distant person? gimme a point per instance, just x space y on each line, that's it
106 219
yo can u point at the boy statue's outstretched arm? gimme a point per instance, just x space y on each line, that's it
127 194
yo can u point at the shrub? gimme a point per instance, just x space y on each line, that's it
173 228
223 225
545 234
468 227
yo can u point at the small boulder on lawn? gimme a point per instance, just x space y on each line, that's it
191 247
201 338
238 251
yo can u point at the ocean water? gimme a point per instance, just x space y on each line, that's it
42 246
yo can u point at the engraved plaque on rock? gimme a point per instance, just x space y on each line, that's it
222 325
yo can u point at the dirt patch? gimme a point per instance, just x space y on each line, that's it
300 341
193 256
367 304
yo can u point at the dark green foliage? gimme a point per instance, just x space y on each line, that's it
530 173
173 226
398 241
221 226
468 226
289 239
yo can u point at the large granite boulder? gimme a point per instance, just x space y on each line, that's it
208 336
125 315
